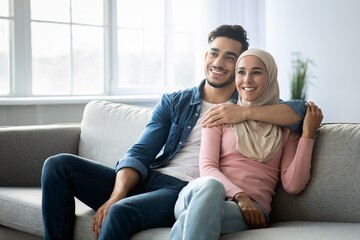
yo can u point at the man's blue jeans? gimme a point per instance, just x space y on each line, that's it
66 176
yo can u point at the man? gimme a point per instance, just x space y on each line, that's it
140 193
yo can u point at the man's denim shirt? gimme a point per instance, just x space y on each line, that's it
172 120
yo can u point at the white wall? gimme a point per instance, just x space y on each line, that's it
37 112
328 32
19 115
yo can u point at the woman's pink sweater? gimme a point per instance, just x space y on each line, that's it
220 159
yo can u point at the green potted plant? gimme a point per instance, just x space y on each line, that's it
300 76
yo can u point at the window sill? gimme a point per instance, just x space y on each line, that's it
129 99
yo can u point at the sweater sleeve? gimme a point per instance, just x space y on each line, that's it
210 151
296 163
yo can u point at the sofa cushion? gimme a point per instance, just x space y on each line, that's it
295 230
298 230
108 130
12 234
333 193
21 210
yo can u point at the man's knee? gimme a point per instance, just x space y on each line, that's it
57 160
57 163
120 217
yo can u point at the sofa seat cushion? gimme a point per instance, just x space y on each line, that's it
12 234
21 210
295 230
299 230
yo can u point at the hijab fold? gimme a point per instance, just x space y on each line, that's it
258 140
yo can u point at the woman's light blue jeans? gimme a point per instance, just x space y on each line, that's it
203 214
66 176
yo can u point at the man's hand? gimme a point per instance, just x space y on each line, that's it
126 180
253 215
100 215
223 113
312 120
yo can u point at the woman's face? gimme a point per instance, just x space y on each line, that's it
251 78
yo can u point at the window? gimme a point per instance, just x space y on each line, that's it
67 39
103 47
157 45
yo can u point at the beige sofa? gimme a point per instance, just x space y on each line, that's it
329 208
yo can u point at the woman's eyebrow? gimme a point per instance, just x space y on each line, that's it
254 68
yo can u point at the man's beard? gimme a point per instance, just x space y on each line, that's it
221 85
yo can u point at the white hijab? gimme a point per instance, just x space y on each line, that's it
257 140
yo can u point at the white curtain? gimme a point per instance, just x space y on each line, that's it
247 13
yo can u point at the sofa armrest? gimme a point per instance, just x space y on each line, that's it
23 151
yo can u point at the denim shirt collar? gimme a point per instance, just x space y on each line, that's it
196 98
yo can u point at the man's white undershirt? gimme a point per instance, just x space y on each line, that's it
185 164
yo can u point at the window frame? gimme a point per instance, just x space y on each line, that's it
20 50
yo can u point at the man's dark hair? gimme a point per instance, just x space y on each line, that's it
235 32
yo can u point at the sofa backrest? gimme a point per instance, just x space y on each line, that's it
333 193
108 130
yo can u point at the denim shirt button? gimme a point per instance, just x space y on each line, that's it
180 143
189 127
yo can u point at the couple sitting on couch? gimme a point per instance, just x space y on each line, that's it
244 154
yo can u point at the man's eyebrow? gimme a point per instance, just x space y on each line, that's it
214 49
231 54
226 53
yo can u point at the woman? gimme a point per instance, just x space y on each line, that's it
242 163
